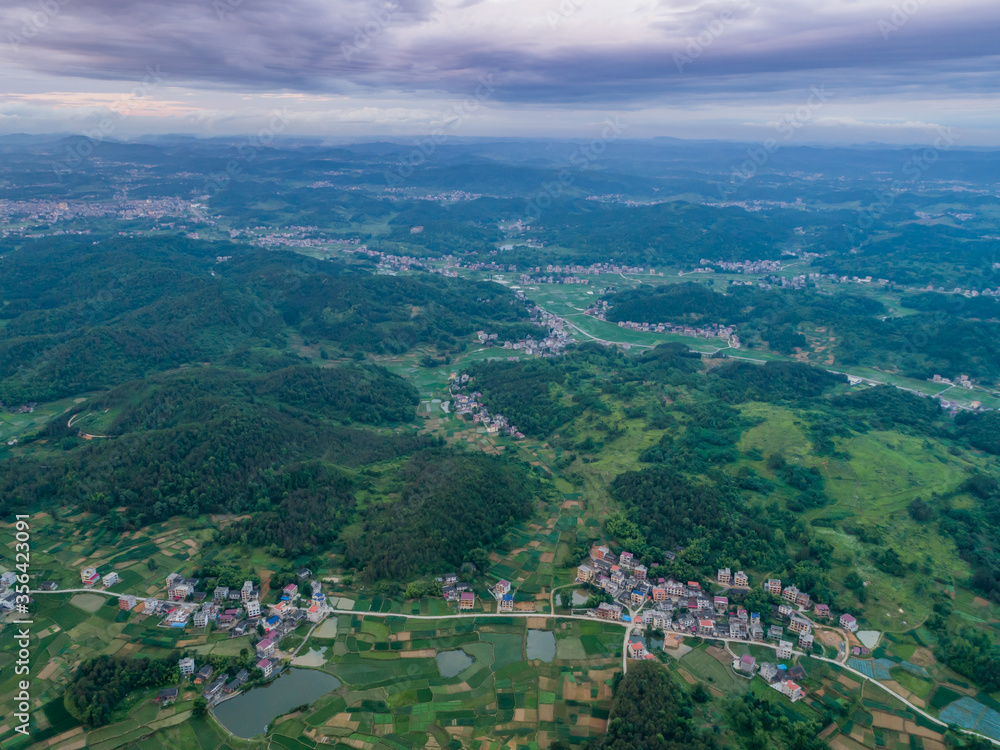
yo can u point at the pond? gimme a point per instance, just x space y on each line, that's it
541 645
248 714
314 658
450 663
579 598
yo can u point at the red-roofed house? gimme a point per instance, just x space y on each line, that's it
792 690
89 577
467 600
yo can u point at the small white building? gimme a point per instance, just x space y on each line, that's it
186 666
110 579
848 622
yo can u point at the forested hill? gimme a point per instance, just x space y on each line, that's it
452 505
359 393
279 441
221 440
81 316
862 329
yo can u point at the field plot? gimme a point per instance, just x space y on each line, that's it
970 714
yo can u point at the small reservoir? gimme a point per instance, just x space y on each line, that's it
450 663
249 714
541 645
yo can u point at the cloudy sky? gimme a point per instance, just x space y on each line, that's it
894 71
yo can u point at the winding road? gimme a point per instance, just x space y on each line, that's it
629 627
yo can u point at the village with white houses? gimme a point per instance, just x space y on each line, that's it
684 609
599 311
238 611
470 405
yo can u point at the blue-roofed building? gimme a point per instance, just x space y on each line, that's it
507 603
626 618
271 622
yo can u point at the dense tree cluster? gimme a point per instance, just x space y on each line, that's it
83 316
712 430
885 407
762 724
738 382
526 392
101 685
451 504
976 531
973 654
916 254
956 305
949 334
218 440
302 513
651 711
981 431
673 510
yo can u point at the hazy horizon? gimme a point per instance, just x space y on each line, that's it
835 72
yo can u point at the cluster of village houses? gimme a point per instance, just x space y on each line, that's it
686 608
744 266
550 274
599 310
711 331
962 381
495 424
594 269
238 611
456 591
8 591
526 279
218 686
461 593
